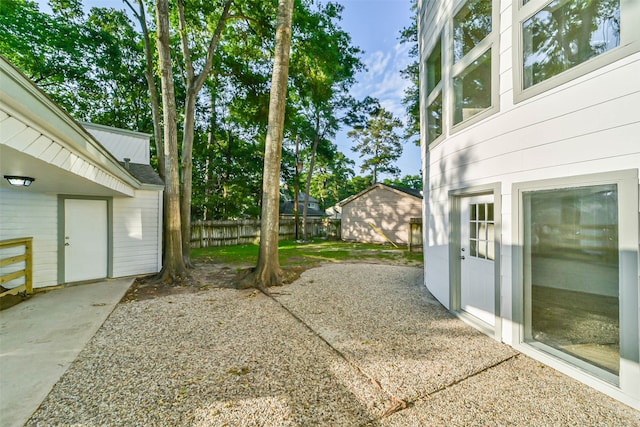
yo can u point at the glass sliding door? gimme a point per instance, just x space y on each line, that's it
571 274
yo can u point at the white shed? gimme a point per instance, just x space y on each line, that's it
380 214
91 215
530 125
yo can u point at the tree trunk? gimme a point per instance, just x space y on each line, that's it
187 175
207 163
305 209
173 268
267 272
193 85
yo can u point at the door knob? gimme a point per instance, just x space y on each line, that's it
461 256
66 244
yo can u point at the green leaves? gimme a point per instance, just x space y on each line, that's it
378 143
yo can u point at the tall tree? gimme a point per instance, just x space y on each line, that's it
193 83
173 266
268 272
378 144
325 64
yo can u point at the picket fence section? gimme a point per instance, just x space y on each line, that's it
206 234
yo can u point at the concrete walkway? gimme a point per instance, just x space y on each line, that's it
40 337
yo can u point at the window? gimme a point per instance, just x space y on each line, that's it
472 88
434 92
576 293
563 39
472 74
470 26
434 67
461 69
434 118
567 33
571 252
481 231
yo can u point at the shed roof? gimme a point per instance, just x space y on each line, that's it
408 191
144 173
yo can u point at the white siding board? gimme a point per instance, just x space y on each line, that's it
123 146
50 153
62 159
22 138
25 214
9 128
135 234
39 146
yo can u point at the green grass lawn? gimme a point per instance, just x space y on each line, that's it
317 251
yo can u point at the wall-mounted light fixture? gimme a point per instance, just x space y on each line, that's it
19 181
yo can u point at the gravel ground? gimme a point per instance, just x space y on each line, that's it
345 345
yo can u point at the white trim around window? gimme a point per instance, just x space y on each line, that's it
624 384
629 42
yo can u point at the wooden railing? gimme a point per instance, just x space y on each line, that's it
205 234
25 258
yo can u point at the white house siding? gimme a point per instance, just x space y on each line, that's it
25 214
122 143
137 234
389 210
588 125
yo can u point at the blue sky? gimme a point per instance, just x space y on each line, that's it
375 27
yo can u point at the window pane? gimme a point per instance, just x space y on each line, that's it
434 118
473 207
567 33
481 211
470 26
434 67
474 248
491 244
472 89
571 256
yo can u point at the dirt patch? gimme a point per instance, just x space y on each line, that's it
206 275
202 277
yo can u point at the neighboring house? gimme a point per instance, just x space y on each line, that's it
531 148
286 210
380 214
287 204
94 210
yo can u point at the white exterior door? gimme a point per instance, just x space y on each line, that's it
85 240
477 255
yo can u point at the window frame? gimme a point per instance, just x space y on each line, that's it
624 384
490 42
629 43
437 90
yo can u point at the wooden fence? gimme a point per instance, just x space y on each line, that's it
21 262
205 234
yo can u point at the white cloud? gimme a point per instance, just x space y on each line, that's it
383 80
377 63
